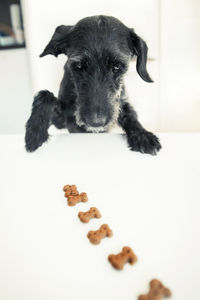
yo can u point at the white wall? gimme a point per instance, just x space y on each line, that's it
180 66
42 17
15 90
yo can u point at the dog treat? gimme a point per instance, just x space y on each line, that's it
157 291
85 217
73 200
73 196
96 236
70 190
126 255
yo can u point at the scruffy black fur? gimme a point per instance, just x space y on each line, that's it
92 95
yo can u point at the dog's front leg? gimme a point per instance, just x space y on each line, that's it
40 120
138 138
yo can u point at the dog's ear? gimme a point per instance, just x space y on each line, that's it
139 48
59 41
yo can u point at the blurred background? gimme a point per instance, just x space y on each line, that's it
171 29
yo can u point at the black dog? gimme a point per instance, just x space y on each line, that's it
92 95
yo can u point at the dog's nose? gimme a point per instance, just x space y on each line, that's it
97 121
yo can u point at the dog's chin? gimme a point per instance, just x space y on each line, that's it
96 129
93 129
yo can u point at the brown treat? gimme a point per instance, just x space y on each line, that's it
157 291
70 190
85 217
73 200
96 236
118 260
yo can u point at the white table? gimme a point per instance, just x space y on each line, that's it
151 203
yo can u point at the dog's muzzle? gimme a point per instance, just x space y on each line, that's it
96 121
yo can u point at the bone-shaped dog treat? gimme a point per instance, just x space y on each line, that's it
96 236
85 217
73 200
157 291
118 260
70 190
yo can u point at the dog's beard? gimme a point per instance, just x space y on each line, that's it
115 104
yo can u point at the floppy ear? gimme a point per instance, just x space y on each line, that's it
140 49
59 41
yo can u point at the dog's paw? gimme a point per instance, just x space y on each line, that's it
34 138
144 142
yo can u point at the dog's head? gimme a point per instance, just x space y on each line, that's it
99 50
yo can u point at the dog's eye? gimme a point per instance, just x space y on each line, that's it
78 65
116 68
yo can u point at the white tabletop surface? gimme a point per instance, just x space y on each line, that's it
152 204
